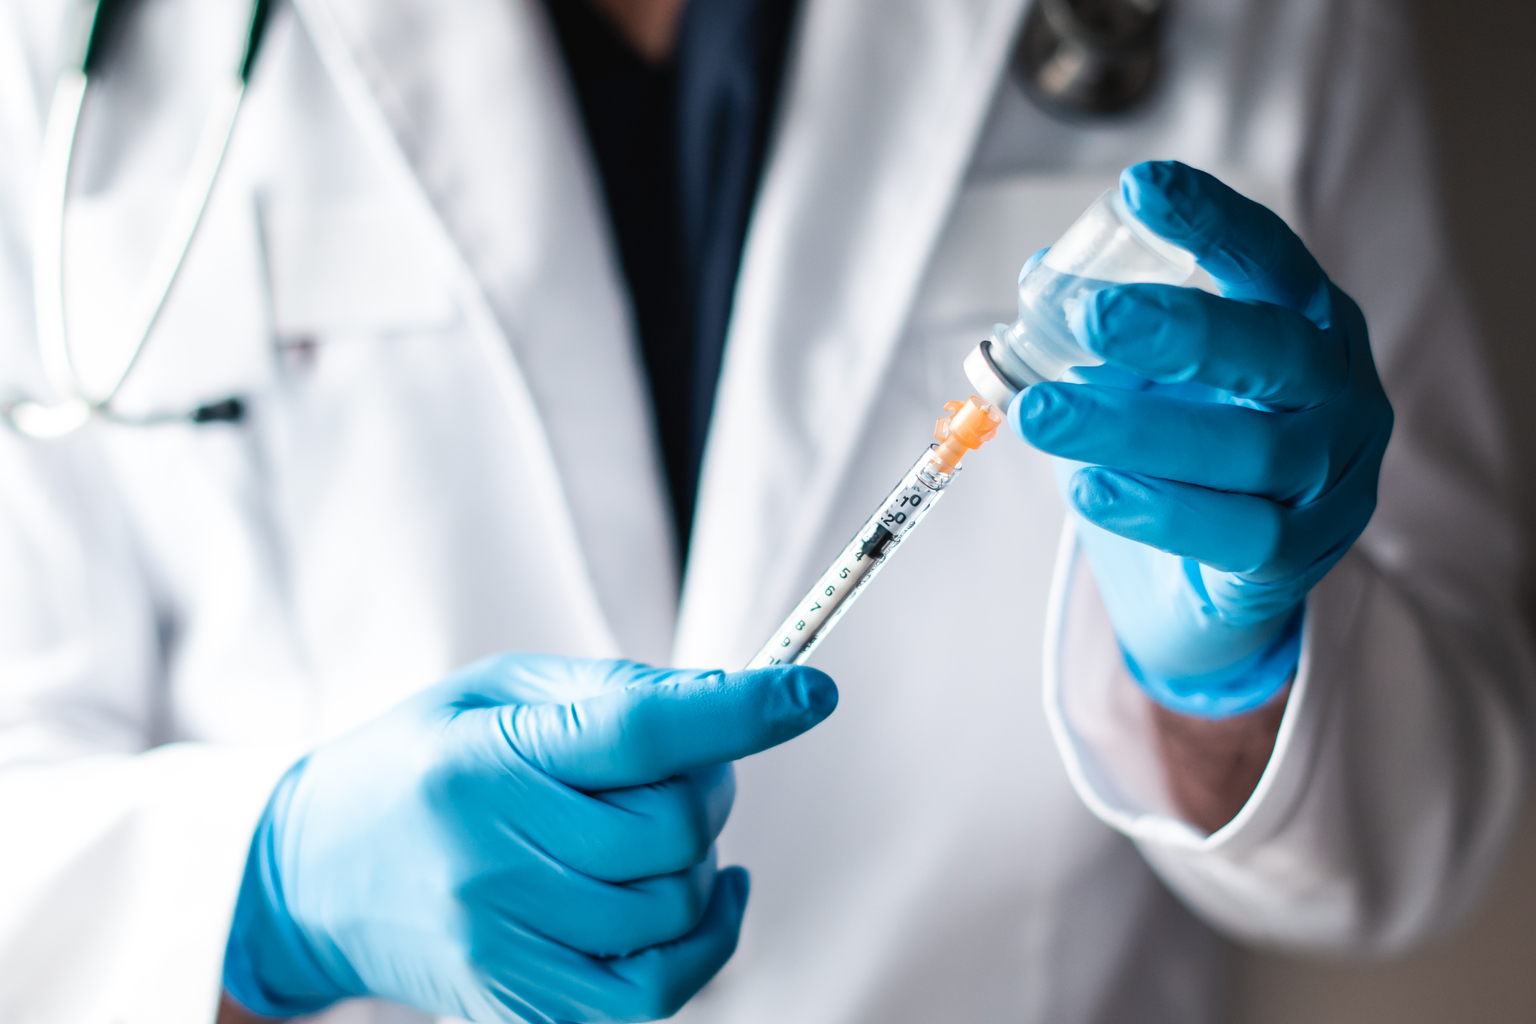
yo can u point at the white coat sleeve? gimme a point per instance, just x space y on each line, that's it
120 855
1400 763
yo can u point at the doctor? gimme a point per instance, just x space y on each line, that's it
1056 767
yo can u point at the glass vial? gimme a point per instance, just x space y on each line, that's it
1106 245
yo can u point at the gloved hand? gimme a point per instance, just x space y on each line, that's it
1233 445
531 840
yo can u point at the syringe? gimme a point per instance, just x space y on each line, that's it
968 426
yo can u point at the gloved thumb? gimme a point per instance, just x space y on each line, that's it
666 723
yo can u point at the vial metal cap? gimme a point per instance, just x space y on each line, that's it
987 379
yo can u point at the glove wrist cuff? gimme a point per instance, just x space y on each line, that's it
269 967
1233 690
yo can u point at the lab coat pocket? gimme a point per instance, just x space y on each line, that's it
350 268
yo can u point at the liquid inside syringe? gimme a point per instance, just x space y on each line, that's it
969 425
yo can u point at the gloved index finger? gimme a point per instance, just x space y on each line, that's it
1255 350
667 724
1246 247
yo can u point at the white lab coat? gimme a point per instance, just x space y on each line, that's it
407 270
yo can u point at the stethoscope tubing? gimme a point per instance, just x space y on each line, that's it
76 406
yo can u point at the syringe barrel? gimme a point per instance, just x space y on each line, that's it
857 564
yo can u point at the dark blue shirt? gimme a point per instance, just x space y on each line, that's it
679 147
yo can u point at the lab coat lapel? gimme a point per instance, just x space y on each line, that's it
883 104
475 99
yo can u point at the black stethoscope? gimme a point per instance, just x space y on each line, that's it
97 22
1081 59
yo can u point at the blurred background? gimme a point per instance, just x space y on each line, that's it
1481 79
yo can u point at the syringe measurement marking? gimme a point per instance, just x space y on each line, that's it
969 425
851 567
845 575
897 514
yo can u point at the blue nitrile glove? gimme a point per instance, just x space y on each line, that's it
531 840
1233 445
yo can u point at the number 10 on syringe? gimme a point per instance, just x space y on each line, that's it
968 426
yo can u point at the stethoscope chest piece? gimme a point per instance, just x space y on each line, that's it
1087 58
